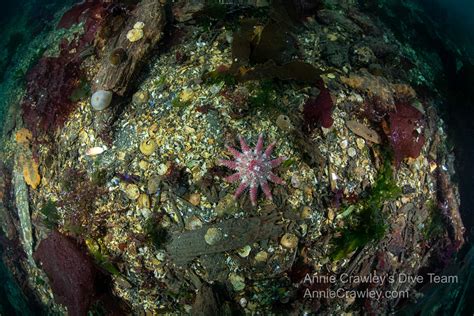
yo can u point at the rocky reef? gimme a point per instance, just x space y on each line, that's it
124 200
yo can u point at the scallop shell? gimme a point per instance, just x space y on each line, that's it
94 151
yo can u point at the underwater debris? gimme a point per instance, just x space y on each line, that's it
236 233
118 56
254 169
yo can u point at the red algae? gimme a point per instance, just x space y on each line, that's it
406 132
318 111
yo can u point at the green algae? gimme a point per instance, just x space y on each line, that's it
435 226
367 222
50 212
96 249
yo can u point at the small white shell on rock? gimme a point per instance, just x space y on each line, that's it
289 241
94 151
134 35
101 99
139 25
213 236
244 251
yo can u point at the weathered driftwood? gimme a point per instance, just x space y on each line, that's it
116 78
237 232
448 200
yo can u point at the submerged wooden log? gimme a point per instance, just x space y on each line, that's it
449 205
115 72
235 232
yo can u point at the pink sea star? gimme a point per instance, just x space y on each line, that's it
254 168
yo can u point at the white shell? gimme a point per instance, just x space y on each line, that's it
101 99
94 151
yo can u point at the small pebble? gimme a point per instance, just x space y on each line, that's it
195 199
132 191
306 213
360 143
154 185
261 256
140 97
144 201
162 169
344 144
193 223
351 152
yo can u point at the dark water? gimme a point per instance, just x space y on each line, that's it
23 21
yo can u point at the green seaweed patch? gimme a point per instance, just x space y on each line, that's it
99 177
264 97
288 163
435 226
367 222
50 213
218 76
82 92
178 104
96 250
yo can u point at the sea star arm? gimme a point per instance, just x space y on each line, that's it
240 189
269 150
233 178
266 189
253 194
273 178
276 162
228 163
233 151
243 145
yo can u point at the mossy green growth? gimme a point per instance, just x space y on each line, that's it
218 77
50 212
83 91
367 223
177 103
264 96
96 250
435 226
99 177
